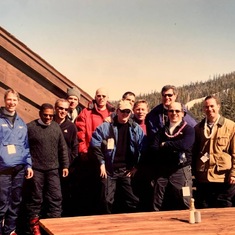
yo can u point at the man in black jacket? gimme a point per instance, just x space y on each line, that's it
49 153
69 130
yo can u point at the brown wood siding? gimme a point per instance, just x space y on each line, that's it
36 80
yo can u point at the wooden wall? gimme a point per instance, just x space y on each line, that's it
36 80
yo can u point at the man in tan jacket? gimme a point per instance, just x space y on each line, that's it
214 157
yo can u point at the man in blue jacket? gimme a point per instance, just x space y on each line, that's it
15 162
117 146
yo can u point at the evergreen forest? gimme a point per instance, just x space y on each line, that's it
222 86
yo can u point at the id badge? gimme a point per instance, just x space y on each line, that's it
11 149
186 191
110 144
205 157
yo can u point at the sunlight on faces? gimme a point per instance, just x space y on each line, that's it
61 109
47 115
124 111
73 101
131 99
11 102
101 97
211 109
140 111
168 97
175 112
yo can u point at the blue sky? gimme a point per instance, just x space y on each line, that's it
137 45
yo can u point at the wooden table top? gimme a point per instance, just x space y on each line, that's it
214 221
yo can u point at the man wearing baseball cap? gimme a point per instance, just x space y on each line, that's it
117 146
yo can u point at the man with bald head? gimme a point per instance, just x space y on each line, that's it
87 121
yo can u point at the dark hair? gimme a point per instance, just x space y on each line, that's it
168 87
216 98
46 106
11 91
127 93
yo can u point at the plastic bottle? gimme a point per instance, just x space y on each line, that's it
192 212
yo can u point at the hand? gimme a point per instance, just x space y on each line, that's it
232 180
29 173
65 172
132 172
103 173
108 119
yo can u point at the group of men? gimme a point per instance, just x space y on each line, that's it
85 160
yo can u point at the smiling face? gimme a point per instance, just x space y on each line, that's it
46 115
11 102
211 108
168 97
61 109
140 110
175 112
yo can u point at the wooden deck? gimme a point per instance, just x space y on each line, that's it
214 221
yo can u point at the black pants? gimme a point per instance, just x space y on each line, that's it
126 192
86 188
211 195
168 194
45 185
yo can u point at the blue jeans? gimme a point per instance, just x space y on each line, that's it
11 183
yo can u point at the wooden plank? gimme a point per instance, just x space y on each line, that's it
14 48
214 221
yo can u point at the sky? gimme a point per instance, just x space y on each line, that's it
127 45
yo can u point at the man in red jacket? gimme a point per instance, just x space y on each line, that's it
88 181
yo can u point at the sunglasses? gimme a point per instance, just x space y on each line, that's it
47 115
125 111
176 111
101 96
169 95
61 108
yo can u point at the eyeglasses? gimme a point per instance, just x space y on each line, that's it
61 108
125 111
172 111
169 95
101 96
47 115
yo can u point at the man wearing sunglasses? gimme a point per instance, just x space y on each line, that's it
49 153
172 150
69 131
117 146
158 116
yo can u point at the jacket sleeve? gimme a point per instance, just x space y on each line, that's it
96 144
74 144
182 144
27 152
63 151
81 132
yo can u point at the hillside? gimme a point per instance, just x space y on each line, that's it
193 94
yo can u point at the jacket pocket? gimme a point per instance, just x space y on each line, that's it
224 162
223 141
